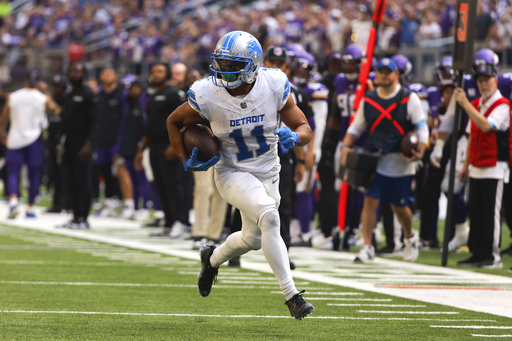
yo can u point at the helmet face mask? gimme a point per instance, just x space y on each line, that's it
444 72
352 57
236 59
304 65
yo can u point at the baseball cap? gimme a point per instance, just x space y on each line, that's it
387 63
276 53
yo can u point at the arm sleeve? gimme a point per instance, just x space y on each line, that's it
358 126
418 117
446 124
93 133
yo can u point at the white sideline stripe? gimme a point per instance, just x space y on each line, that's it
325 293
254 282
38 262
349 299
220 286
101 284
376 305
493 336
474 327
228 316
409 312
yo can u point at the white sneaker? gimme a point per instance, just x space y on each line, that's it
127 213
366 254
196 245
178 230
321 242
411 249
141 215
459 239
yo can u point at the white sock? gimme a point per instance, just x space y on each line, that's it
13 202
276 254
129 203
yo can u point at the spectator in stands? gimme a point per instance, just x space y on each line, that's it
429 28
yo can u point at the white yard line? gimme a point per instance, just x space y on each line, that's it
473 327
408 312
232 316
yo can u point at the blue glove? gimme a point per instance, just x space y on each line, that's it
287 137
192 164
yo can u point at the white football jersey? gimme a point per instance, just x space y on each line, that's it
244 125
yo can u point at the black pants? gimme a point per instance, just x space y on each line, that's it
55 173
287 191
485 197
431 193
78 179
169 180
111 182
328 203
507 202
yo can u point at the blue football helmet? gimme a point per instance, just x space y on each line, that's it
485 62
351 58
444 72
236 59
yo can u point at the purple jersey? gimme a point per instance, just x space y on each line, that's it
317 91
345 90
505 84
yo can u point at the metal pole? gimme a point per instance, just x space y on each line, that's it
451 182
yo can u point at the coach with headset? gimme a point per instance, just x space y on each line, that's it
167 169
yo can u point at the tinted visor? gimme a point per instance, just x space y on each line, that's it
225 65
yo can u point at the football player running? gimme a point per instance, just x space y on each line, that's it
244 104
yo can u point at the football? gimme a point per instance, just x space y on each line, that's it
410 141
200 136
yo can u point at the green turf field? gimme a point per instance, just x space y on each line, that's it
55 287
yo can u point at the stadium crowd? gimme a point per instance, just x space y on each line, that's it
186 31
324 44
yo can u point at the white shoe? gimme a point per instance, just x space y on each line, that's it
178 230
127 213
411 249
459 239
321 242
196 245
366 254
141 215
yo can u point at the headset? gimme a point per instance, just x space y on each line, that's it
168 73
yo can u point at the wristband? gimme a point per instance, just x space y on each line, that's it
300 161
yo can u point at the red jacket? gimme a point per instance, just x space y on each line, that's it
484 149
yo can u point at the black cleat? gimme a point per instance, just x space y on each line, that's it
299 308
234 262
208 274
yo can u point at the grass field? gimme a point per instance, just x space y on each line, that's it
55 287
